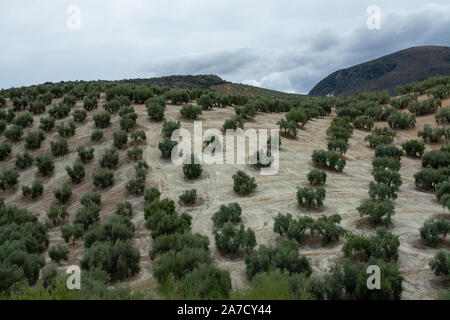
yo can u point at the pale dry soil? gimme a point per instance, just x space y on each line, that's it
275 194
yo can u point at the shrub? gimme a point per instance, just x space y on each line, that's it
363 123
58 253
189 111
8 179
155 110
425 107
317 177
45 165
97 135
386 163
442 190
23 120
189 196
59 147
124 209
379 211
136 186
151 194
79 115
166 147
169 127
382 192
102 120
66 130
112 106
87 216
70 100
59 111
233 123
178 242
391 151
400 120
231 240
328 159
47 123
57 215
433 231
227 213
128 121
246 111
207 282
103 178
414 148
403 101
34 139
436 159
109 159
5 150
90 104
380 136
91 199
443 115
178 96
284 256
24 160
114 229
288 127
37 107
13 133
390 178
337 146
243 184
311 198
120 138
427 179
86 154
339 132
138 136
76 173
135 153
441 264
63 194
192 170
432 136
35 191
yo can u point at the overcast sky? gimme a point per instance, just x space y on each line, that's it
283 45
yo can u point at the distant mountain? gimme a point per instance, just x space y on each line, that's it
385 73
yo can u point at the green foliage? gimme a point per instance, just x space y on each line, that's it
47 123
70 100
190 111
112 106
414 148
169 127
434 231
382 192
59 147
425 107
34 139
390 151
433 136
246 111
79 115
35 190
37 107
151 194
155 110
166 147
97 135
63 194
109 159
428 179
379 211
128 121
138 136
390 178
103 178
443 116
76 173
59 111
338 145
44 163
227 213
135 153
243 183
328 159
283 256
233 123
288 127
317 177
178 242
231 240
192 170
102 120
207 282
311 198
5 150
72 232
380 136
13 133
116 228
436 159
90 104
441 264
8 179
58 253
189 196
205 102
401 120
23 120
124 209
57 215
363 123
120 139
86 154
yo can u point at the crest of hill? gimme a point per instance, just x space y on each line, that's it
411 65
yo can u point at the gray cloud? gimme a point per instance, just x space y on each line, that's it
284 45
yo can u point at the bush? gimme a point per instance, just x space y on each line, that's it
102 120
403 101
57 215
47 123
328 159
400 120
128 121
97 135
207 282
138 136
428 179
192 170
390 178
227 213
58 253
66 130
59 147
136 186
24 160
443 115
243 184
120 259
311 198
390 151
169 127
382 192
317 177
45 165
443 192
63 194
109 159
425 107
8 179
91 199
178 96
120 138
90 104
103 178
114 229
433 136
23 120
79 115
86 154
59 111
135 153
76 173
246 111
434 231
151 194
383 245
13 133
363 123
166 147
37 107
436 159
414 148
380 136
70 100
379 211
338 146
189 196
87 216
386 163
231 240
441 264
34 139
155 110
339 132
124 209
288 127
5 150
35 191
284 256
178 242
112 106
189 111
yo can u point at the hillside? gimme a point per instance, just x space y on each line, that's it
385 73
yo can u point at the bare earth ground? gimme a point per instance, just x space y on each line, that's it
275 194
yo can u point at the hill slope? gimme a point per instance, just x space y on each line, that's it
385 73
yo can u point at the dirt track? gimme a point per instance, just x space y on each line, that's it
275 194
